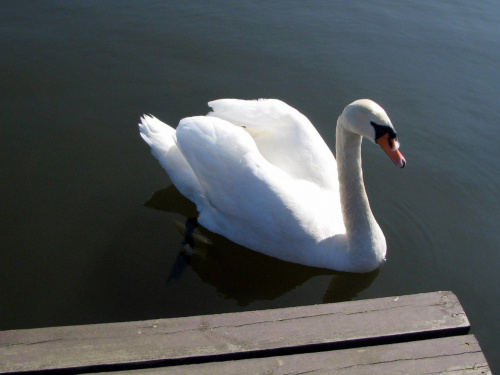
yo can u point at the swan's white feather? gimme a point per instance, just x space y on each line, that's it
162 140
282 134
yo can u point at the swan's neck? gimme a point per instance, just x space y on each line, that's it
366 242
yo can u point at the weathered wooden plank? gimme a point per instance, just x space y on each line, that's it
215 335
450 355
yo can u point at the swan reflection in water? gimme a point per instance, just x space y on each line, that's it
244 275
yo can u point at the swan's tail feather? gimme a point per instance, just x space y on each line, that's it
158 135
163 142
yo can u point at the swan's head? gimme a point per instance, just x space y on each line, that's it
368 119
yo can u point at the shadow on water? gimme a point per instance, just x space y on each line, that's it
245 275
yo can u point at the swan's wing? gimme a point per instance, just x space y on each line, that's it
224 158
162 140
284 136
258 115
245 196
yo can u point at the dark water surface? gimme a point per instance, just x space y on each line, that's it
77 244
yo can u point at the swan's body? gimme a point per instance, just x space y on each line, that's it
262 176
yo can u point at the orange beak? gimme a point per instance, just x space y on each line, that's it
391 149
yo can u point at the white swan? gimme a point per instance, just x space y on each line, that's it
262 176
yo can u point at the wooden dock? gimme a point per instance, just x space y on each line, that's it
415 334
